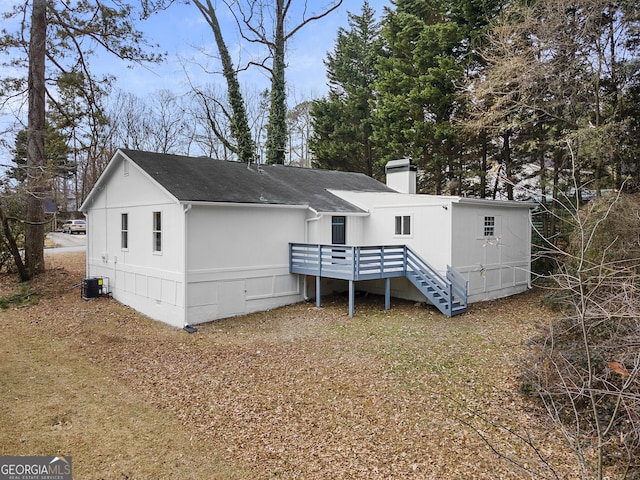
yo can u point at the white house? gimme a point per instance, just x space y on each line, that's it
188 240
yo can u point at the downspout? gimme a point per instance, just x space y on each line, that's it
88 250
308 221
185 263
106 220
306 240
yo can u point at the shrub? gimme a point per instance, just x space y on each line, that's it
586 367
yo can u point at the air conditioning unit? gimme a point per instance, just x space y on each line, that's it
95 287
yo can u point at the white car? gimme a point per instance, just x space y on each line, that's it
74 226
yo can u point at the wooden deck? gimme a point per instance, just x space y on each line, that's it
448 293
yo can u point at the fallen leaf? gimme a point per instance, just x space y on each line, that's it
618 368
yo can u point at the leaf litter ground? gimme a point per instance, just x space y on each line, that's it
297 392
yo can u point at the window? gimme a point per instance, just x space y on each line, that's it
125 166
489 226
124 231
157 231
338 230
403 225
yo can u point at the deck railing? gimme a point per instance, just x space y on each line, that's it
347 263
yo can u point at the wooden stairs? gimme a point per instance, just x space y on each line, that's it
447 292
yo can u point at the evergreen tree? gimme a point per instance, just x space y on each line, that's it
417 89
56 155
60 38
558 81
342 137
35 182
433 47
77 113
627 165
475 17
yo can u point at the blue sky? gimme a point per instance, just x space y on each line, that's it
181 31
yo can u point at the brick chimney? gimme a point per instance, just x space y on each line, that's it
401 175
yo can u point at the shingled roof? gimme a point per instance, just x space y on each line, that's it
200 179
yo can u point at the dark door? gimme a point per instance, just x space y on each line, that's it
338 230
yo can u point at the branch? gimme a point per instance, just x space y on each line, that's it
312 18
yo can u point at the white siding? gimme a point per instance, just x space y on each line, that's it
238 259
152 283
430 223
220 260
450 231
319 229
496 266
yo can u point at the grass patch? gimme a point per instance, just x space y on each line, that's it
23 296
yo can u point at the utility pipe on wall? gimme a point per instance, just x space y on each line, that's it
185 260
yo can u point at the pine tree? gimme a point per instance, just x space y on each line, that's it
56 155
36 158
417 89
59 39
342 138
432 45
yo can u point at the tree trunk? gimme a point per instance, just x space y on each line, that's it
483 165
240 131
277 126
508 166
34 227
496 184
555 202
542 175
13 246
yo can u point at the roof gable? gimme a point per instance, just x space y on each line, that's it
191 179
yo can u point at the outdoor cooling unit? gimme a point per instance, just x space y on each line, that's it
95 287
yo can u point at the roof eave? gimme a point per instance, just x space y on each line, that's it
495 203
241 204
361 213
107 172
101 179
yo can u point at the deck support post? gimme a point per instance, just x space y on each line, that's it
351 298
387 293
318 304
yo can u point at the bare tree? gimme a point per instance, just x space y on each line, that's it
299 126
9 234
552 75
169 128
270 24
259 115
237 115
584 368
212 129
159 122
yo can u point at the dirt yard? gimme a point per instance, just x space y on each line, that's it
297 392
